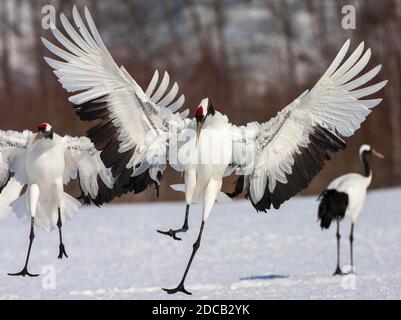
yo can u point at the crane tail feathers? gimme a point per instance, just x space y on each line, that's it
333 205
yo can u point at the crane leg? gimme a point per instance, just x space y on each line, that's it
24 271
212 189
61 246
181 287
173 233
190 184
338 271
351 242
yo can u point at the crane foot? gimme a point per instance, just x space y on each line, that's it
171 233
338 272
23 273
180 288
62 252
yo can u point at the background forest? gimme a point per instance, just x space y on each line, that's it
251 57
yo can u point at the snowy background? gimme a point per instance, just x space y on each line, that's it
115 253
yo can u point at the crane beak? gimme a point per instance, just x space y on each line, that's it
199 125
198 130
38 136
377 154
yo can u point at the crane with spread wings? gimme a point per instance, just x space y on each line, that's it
44 162
139 132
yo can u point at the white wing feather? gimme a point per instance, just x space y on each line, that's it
89 69
12 155
82 158
334 104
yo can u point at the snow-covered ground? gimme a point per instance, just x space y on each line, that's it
115 253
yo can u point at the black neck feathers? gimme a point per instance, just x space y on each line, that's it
50 135
366 164
210 109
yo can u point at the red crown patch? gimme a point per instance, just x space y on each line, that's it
199 112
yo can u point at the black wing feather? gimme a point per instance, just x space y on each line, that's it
104 136
306 166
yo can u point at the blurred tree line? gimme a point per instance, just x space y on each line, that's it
251 57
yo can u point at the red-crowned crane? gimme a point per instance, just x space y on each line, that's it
140 131
345 196
44 162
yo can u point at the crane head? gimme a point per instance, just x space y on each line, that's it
201 115
45 131
368 150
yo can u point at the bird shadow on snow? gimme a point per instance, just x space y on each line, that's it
264 277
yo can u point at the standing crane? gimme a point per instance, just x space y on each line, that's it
140 132
345 196
44 162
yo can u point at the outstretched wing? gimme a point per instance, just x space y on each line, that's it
291 149
12 155
83 161
133 125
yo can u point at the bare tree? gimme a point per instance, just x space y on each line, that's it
38 51
170 14
5 49
317 12
197 27
224 72
282 10
140 38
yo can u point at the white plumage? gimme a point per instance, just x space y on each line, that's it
333 104
345 196
140 131
44 163
355 186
